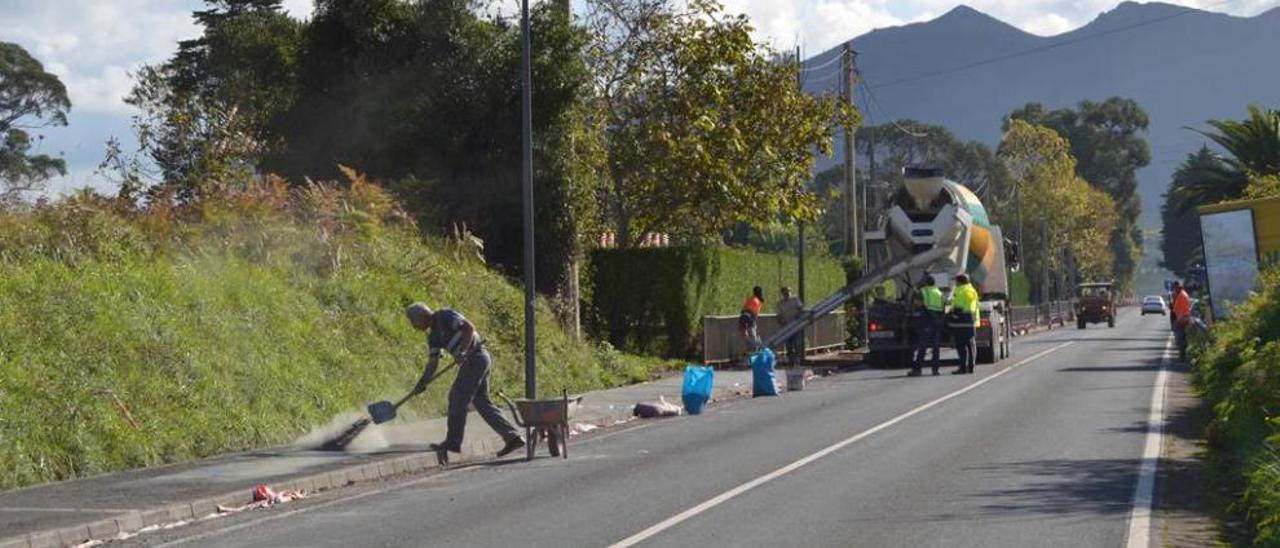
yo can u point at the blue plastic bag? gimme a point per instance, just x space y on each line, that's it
762 378
698 383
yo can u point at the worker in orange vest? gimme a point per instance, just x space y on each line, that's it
1181 317
749 319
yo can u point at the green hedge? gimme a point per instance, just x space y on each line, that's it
1019 288
652 300
1238 373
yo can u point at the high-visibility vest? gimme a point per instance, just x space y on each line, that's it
932 297
965 297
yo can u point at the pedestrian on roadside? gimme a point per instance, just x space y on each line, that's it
448 330
963 321
1181 310
789 310
749 319
928 325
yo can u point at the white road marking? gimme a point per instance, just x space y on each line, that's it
736 491
1144 492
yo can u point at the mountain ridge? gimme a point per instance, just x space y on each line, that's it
965 70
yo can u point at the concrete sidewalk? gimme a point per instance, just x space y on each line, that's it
72 512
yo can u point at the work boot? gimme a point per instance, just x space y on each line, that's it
958 371
914 373
512 444
444 446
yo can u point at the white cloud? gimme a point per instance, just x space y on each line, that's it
1047 24
815 25
92 45
820 24
299 8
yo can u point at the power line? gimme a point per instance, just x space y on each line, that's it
826 78
868 92
833 60
1047 47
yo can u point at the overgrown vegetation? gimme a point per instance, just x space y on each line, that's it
1238 373
134 336
652 300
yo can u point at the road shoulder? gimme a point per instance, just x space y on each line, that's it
1185 497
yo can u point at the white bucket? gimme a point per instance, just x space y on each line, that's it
795 379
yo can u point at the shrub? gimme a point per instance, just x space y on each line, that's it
1239 374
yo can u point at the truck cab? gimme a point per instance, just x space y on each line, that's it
1095 303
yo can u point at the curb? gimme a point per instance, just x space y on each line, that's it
135 521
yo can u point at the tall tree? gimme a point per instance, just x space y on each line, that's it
1107 140
208 115
1180 233
30 98
705 128
421 94
1253 149
1069 222
427 93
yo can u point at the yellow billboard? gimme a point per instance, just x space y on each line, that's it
1266 225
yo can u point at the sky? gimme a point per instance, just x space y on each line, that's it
95 45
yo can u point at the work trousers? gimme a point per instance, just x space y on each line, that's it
966 346
751 338
795 349
1180 338
928 337
471 387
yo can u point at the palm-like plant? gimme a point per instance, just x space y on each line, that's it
1253 145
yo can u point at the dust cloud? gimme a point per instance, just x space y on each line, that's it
371 439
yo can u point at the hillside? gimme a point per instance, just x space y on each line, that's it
135 337
966 70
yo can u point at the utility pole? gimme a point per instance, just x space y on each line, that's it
800 228
850 178
530 297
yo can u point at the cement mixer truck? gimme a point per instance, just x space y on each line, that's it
930 212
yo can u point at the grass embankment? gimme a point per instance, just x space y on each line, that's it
1238 373
135 337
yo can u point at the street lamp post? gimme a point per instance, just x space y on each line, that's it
526 76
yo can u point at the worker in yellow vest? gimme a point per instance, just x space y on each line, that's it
928 325
963 321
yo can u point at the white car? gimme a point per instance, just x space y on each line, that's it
1153 304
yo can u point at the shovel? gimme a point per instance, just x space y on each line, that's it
379 412
385 411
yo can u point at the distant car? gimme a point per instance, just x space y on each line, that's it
1153 304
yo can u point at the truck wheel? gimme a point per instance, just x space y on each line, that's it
986 355
905 358
875 358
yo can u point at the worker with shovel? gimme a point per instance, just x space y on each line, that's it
448 330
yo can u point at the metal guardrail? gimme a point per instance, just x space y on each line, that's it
1055 312
721 342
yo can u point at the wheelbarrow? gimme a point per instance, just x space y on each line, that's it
543 419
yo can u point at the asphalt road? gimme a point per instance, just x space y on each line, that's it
1043 449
